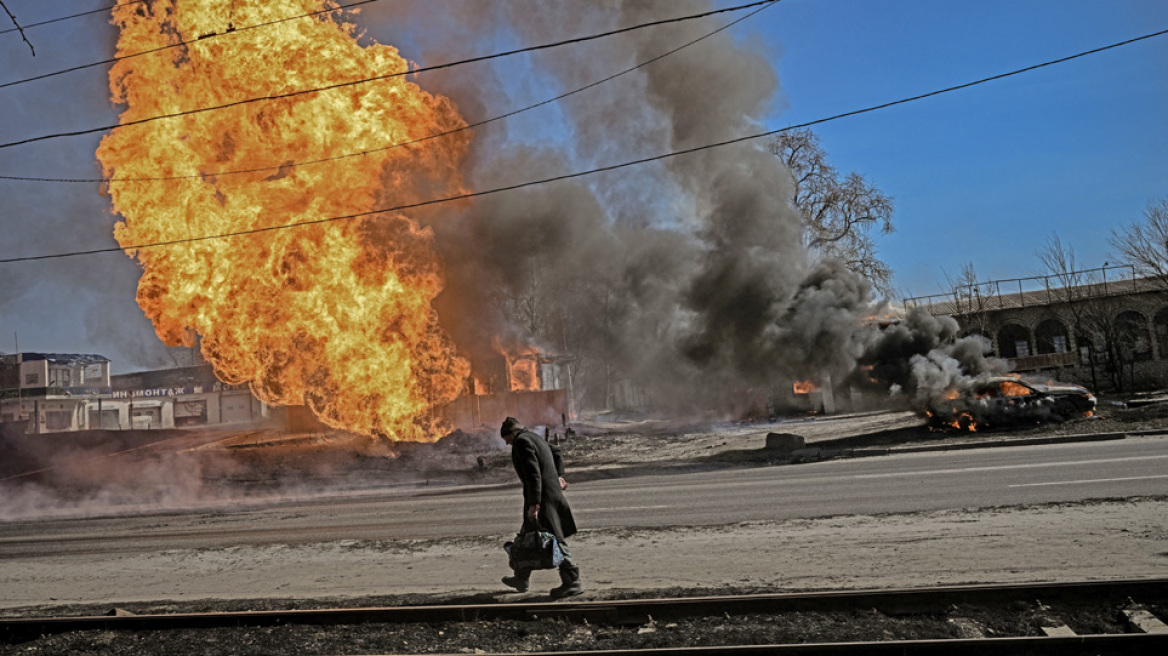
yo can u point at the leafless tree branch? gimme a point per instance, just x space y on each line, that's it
18 27
1144 244
839 214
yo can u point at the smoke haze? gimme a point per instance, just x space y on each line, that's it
687 276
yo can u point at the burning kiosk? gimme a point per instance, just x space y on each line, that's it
533 386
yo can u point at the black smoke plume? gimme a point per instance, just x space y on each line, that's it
689 277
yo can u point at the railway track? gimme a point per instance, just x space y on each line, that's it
1140 600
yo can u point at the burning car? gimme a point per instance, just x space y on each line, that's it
1005 400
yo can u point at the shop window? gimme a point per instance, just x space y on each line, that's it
58 420
190 413
107 420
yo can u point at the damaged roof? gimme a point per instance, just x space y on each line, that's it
56 358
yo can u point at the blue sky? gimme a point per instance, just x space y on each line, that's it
982 175
987 174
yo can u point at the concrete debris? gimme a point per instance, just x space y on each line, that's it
1060 631
784 443
1142 621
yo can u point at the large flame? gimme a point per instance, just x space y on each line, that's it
522 365
1010 388
334 315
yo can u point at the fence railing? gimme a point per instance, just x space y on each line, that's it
1016 293
1045 361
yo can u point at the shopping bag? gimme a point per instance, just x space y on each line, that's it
534 550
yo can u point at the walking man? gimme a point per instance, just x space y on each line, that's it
540 468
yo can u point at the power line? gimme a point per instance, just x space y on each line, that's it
77 15
436 135
415 71
581 174
201 37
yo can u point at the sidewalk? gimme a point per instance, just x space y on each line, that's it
1057 542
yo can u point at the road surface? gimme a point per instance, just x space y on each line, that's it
877 485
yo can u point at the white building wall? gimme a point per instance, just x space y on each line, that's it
34 374
143 413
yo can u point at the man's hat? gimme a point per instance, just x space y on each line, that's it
510 425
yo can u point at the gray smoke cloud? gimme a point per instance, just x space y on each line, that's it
687 276
923 359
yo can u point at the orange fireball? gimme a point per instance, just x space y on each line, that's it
335 315
804 387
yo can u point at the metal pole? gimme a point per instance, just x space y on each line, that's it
19 380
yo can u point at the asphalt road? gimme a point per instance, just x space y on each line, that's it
891 484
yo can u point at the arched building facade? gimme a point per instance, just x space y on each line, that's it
1111 332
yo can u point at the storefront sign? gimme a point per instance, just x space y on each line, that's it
154 393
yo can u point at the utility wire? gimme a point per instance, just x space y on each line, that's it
201 37
77 15
437 135
415 71
581 174
18 28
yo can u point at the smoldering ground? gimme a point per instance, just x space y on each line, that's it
123 472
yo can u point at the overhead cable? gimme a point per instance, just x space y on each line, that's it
363 153
581 174
387 76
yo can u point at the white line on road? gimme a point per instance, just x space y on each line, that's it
1091 480
584 510
1035 465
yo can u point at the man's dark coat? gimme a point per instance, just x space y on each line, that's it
540 466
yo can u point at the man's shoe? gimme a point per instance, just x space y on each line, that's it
567 590
519 584
570 582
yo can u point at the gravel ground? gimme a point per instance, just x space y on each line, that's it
954 622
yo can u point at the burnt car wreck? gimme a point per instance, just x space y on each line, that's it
1004 401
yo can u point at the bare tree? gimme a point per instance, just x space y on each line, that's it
1144 243
1102 339
839 214
970 299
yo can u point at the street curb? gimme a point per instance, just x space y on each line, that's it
817 454
1033 441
